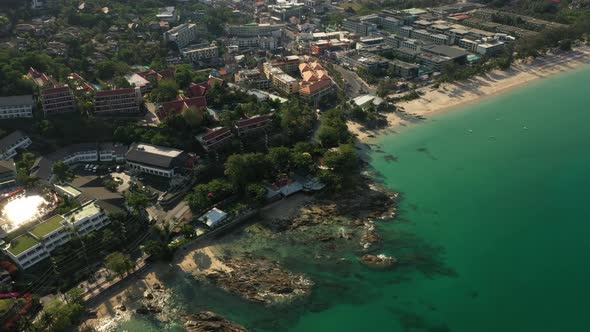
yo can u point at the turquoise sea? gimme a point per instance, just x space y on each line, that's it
493 232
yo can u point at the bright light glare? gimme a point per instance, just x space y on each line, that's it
22 209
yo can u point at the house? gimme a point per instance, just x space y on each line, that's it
176 107
251 125
16 107
58 100
7 173
213 218
40 79
119 101
155 160
215 138
198 90
39 241
10 144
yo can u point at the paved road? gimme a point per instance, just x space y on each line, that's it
354 84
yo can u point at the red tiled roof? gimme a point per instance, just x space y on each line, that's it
252 120
213 81
198 90
214 133
105 93
50 91
176 107
165 75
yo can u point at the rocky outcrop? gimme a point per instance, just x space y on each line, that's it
208 321
370 235
260 280
378 260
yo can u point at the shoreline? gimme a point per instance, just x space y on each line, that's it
453 96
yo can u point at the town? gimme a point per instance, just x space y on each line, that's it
129 131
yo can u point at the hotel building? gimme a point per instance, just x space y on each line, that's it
16 107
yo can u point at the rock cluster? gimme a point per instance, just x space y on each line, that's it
378 260
208 321
260 280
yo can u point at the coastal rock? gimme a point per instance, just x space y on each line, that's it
208 321
260 280
157 286
121 308
378 260
148 296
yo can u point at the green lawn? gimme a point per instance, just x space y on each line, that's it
22 243
47 226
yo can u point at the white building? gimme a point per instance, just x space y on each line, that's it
213 217
39 241
201 53
183 34
155 160
167 14
13 142
16 107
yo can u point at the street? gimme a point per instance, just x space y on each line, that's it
355 86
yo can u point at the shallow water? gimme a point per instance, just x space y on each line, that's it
493 234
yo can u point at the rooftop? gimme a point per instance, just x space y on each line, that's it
22 244
152 154
48 226
87 210
16 100
11 139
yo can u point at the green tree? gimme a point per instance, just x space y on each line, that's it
342 164
256 194
205 195
279 158
297 119
243 169
166 90
328 136
62 171
121 82
118 263
137 201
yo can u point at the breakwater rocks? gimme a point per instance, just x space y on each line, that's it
260 280
208 321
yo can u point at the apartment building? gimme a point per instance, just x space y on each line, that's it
391 23
365 61
167 14
202 52
215 138
404 69
252 78
58 100
261 42
434 38
155 160
10 144
119 101
363 28
183 34
253 124
16 107
39 241
255 30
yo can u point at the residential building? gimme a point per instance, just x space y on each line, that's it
167 14
255 30
215 138
315 81
434 38
16 107
366 61
391 23
490 47
404 69
120 101
201 52
155 160
213 218
261 42
253 124
183 34
39 241
177 107
40 79
282 81
455 54
252 78
7 173
138 81
58 100
10 144
363 28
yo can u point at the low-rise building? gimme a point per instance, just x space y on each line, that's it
252 125
215 138
11 143
7 173
201 52
177 107
40 79
40 240
167 14
120 101
155 160
255 30
404 69
183 34
58 100
252 78
16 107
